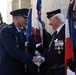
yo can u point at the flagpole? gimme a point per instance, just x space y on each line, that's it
39 25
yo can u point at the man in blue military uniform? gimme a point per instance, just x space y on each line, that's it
12 48
55 55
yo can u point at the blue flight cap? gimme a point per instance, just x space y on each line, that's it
20 12
52 13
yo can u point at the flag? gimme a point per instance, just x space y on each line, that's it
29 26
74 4
70 33
68 44
39 33
1 21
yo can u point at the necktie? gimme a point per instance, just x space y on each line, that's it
54 35
53 38
21 36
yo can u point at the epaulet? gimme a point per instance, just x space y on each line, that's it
9 26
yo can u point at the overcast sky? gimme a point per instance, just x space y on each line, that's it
3 9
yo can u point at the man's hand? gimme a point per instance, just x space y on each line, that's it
38 60
26 44
37 53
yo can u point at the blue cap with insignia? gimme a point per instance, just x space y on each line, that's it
20 12
52 13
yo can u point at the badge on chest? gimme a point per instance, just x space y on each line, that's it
59 45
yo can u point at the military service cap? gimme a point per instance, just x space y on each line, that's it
52 13
20 12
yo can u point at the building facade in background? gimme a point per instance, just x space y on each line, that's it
16 4
50 5
47 5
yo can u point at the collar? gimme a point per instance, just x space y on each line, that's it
19 30
59 28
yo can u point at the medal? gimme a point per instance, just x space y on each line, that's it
61 47
59 52
61 43
55 47
56 44
58 48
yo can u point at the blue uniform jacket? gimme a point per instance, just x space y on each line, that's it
12 54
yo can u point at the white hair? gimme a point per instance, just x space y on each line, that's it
60 16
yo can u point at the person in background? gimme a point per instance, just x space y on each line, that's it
2 25
31 48
42 70
46 41
46 36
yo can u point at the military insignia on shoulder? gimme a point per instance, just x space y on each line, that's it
59 45
9 26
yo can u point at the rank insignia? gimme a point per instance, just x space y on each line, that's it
9 26
55 48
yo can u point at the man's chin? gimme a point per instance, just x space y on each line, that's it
24 25
52 28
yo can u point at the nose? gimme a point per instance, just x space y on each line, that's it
25 21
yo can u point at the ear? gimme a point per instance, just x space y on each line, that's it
57 19
15 17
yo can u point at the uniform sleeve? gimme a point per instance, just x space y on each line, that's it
9 43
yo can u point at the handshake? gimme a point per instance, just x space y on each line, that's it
38 60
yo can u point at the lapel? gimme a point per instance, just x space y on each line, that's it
62 31
15 32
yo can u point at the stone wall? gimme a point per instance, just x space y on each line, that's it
16 4
50 5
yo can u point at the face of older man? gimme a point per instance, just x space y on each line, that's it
53 21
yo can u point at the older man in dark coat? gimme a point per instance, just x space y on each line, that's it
56 52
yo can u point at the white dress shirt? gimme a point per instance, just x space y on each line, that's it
19 30
59 28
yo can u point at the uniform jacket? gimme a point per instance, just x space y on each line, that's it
12 54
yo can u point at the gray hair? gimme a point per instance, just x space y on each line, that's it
60 16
